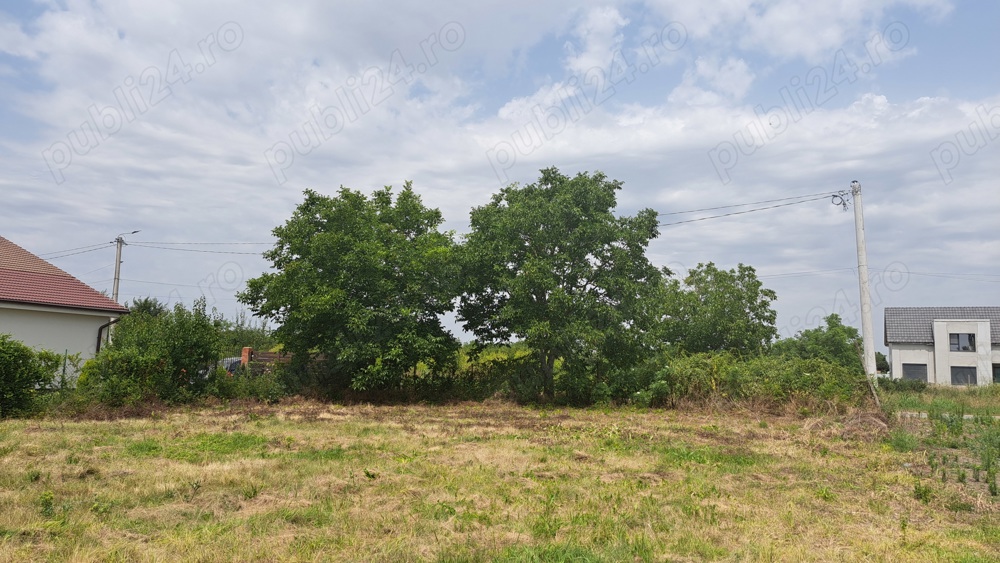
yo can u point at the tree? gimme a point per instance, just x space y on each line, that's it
882 363
147 305
363 282
835 343
549 264
717 309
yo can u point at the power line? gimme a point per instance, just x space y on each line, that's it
808 273
101 245
963 277
192 249
824 194
743 212
163 283
96 269
194 243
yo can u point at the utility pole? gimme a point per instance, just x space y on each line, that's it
867 333
120 242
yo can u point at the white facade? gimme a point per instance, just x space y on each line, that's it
54 328
953 358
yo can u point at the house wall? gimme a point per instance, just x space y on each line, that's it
979 358
900 354
53 328
939 357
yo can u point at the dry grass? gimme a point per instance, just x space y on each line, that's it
310 481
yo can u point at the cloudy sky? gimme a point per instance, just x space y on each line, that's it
200 123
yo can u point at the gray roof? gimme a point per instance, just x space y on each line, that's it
915 325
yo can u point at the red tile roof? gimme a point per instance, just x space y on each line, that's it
26 278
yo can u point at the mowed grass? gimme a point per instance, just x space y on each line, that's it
315 482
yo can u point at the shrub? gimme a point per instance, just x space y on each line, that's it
125 377
155 354
901 385
775 378
22 376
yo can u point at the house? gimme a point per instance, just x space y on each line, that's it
944 345
46 308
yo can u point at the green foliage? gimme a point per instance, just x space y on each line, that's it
243 331
903 441
266 387
923 493
124 376
60 366
22 376
162 355
46 504
149 306
882 363
901 385
722 375
551 266
362 281
715 310
835 343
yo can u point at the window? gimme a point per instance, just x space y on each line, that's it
963 342
961 375
916 372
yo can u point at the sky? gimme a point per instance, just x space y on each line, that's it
201 123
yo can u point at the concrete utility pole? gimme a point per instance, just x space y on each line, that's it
867 333
120 242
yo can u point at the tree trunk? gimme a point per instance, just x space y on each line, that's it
548 369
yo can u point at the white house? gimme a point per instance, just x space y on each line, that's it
46 308
944 345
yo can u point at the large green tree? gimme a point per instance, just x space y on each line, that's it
714 309
362 281
551 265
835 343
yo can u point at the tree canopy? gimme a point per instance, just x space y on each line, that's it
551 265
835 343
362 281
714 309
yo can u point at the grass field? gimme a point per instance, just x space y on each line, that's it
984 400
314 482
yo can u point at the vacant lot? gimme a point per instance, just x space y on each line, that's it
309 481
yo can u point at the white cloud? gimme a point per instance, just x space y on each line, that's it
599 33
193 167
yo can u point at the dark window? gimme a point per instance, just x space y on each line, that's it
996 373
961 375
915 371
963 342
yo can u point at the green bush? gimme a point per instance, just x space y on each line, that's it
155 353
776 378
125 376
22 376
266 386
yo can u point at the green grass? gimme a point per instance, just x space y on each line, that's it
984 401
308 481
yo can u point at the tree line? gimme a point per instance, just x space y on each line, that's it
553 285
